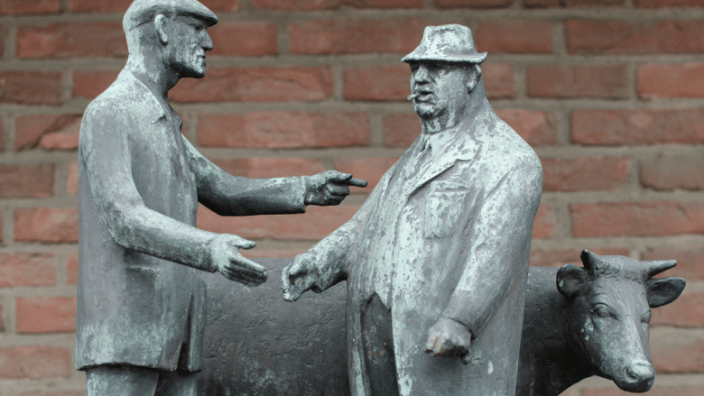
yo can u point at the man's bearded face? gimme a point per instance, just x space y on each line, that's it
440 87
189 40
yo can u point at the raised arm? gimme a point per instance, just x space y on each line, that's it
104 149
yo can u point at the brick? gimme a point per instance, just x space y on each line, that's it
628 38
30 87
72 268
656 390
537 127
47 131
72 178
284 129
27 269
71 40
678 358
27 181
473 3
221 5
99 6
585 174
625 127
93 83
314 225
572 3
309 5
263 167
369 169
265 84
514 37
34 361
46 315
560 257
686 311
400 130
499 81
61 393
244 38
607 82
656 218
18 7
544 222
667 81
355 36
378 83
46 225
673 171
689 260
668 3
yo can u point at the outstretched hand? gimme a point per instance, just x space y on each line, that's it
228 261
330 187
449 338
299 277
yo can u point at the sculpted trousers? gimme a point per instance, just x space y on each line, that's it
139 381
378 342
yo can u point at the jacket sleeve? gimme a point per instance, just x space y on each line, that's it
105 152
501 235
331 254
229 195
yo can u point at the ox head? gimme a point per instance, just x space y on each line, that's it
610 300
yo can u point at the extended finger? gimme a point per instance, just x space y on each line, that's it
243 243
246 266
247 280
357 182
337 177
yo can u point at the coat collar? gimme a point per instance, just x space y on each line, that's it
460 147
154 110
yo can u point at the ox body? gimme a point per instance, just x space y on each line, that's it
300 347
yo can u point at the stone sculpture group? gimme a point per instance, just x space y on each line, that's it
436 260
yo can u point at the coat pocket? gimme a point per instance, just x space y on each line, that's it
443 208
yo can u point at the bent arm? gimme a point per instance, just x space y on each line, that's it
104 150
229 195
500 248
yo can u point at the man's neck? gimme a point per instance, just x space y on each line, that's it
150 72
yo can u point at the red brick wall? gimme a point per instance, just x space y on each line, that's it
610 93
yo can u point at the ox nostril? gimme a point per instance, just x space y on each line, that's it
640 371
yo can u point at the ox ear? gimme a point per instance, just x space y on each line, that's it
664 291
570 280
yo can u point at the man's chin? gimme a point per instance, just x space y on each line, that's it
425 111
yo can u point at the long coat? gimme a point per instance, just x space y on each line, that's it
459 247
140 182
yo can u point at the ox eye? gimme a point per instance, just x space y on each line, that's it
601 310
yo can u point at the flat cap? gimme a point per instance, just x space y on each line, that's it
142 11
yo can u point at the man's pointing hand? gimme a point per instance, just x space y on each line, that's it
330 187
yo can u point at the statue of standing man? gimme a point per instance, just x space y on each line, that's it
437 257
141 300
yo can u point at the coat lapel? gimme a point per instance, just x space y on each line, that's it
461 148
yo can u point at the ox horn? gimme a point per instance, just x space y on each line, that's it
588 258
655 267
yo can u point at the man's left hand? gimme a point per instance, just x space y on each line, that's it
330 187
449 338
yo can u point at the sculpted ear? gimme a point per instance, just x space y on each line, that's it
159 23
570 280
663 291
474 72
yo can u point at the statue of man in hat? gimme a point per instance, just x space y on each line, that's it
437 257
141 301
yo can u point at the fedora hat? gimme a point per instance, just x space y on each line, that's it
142 11
446 43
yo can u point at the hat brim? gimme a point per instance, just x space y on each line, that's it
474 58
